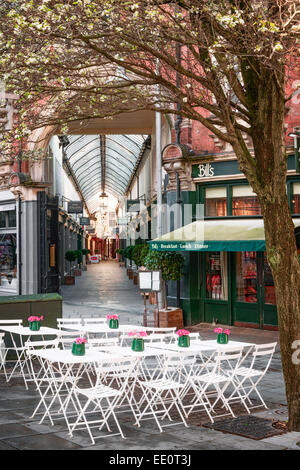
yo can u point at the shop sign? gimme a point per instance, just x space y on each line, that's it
132 205
75 207
212 169
84 221
206 170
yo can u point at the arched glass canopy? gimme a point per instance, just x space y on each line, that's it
103 163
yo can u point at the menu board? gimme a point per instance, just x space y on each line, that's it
150 281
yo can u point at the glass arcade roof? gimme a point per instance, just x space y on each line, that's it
85 156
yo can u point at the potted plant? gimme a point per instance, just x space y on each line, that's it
34 323
223 336
139 254
77 270
70 256
137 340
170 264
183 338
113 321
78 347
128 252
85 252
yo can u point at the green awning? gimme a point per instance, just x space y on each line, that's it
216 235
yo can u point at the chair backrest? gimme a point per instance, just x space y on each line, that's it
42 344
160 329
95 343
229 359
195 337
115 366
94 321
66 338
160 338
11 322
67 322
263 351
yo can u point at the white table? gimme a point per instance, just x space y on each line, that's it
24 332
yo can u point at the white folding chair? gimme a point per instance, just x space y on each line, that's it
99 393
4 350
209 388
3 353
161 395
248 378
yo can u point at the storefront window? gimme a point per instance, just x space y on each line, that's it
7 219
269 287
8 262
244 201
246 274
215 202
216 275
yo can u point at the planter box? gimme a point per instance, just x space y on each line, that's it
130 274
170 318
77 272
135 279
69 280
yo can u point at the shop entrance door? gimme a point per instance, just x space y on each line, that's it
48 270
254 301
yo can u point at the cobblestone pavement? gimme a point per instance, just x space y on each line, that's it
103 289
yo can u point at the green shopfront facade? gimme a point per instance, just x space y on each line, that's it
227 278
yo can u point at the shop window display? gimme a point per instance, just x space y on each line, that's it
215 202
216 276
269 288
246 275
245 206
8 261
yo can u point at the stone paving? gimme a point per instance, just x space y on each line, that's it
103 289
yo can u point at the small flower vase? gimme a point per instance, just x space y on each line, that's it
222 338
34 325
137 344
184 341
78 349
113 324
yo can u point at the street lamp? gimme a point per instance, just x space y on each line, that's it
296 136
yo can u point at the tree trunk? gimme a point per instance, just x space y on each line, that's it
267 176
283 260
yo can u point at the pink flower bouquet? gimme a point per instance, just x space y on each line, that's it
34 322
182 332
222 337
137 340
113 321
183 338
78 347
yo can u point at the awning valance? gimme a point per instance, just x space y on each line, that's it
216 235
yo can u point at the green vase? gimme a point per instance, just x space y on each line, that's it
34 325
184 341
222 338
114 324
78 349
137 344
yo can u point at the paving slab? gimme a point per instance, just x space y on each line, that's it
41 442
